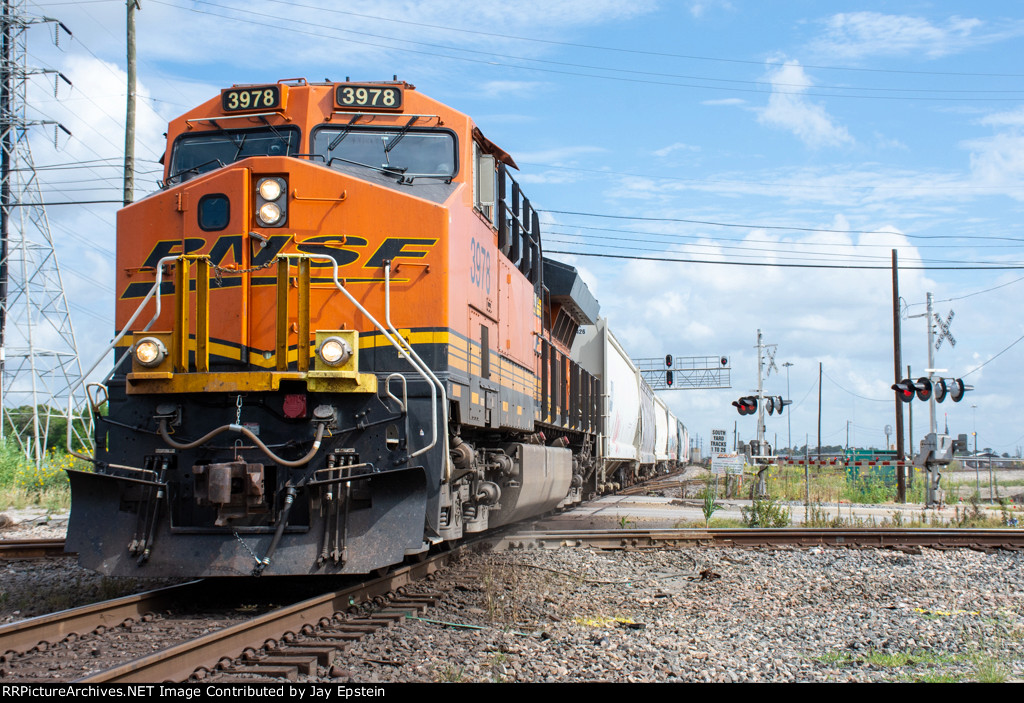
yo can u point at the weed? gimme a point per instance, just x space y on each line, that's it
817 516
496 664
766 512
835 658
22 483
502 594
989 671
625 523
710 506
936 677
449 673
727 522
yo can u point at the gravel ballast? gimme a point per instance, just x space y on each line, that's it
712 615
717 614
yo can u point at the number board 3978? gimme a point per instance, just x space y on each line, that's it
368 97
252 98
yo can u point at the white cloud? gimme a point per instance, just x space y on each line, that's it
512 89
787 109
854 35
997 161
559 155
1013 118
699 8
678 146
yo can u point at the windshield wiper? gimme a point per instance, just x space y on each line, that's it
240 143
445 177
194 169
386 170
345 131
398 137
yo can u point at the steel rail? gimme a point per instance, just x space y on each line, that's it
179 662
33 549
21 636
1012 539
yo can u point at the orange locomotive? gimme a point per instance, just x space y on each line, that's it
342 344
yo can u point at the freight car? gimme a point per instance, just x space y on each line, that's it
340 344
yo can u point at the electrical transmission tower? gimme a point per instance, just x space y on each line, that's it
39 363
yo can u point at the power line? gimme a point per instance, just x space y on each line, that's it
979 292
801 244
993 358
277 26
747 225
479 32
846 390
856 267
771 184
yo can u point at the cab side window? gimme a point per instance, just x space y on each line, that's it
484 181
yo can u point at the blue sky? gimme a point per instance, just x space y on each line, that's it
733 132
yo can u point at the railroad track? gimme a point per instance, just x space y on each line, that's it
905 538
668 482
297 638
280 643
33 549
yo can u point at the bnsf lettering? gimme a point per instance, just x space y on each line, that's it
334 245
226 250
395 248
175 247
480 266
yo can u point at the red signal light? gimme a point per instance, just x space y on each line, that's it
904 390
924 388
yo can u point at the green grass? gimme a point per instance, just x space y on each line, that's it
23 484
923 666
832 485
724 522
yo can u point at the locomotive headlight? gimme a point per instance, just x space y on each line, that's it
271 201
334 351
269 214
270 189
150 352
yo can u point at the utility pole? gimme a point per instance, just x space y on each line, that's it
897 351
760 394
38 351
931 362
819 412
910 438
129 120
789 415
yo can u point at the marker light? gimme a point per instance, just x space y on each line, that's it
334 351
150 352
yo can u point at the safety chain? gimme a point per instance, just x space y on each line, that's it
246 546
219 271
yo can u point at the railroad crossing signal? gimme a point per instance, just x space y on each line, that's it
944 332
924 389
746 405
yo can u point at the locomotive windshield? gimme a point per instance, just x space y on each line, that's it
409 153
195 154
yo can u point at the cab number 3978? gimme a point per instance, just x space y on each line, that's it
480 266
